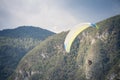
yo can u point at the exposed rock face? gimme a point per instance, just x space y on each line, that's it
95 55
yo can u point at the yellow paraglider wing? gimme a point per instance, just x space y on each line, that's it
73 34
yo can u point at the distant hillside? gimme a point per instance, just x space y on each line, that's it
95 55
15 43
26 32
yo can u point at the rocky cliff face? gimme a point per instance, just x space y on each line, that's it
95 55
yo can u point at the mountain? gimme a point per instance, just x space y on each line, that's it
26 32
95 55
15 43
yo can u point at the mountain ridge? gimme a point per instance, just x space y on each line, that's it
26 31
15 43
93 52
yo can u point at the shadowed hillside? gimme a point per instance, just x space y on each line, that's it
15 43
95 55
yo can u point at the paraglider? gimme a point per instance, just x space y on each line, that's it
74 33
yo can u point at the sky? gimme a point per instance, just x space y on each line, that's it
55 15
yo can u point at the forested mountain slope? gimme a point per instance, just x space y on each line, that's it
15 43
95 55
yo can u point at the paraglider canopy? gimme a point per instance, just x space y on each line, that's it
74 33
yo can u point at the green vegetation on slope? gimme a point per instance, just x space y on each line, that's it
11 51
26 32
15 43
95 55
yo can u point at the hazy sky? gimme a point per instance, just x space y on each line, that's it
55 15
